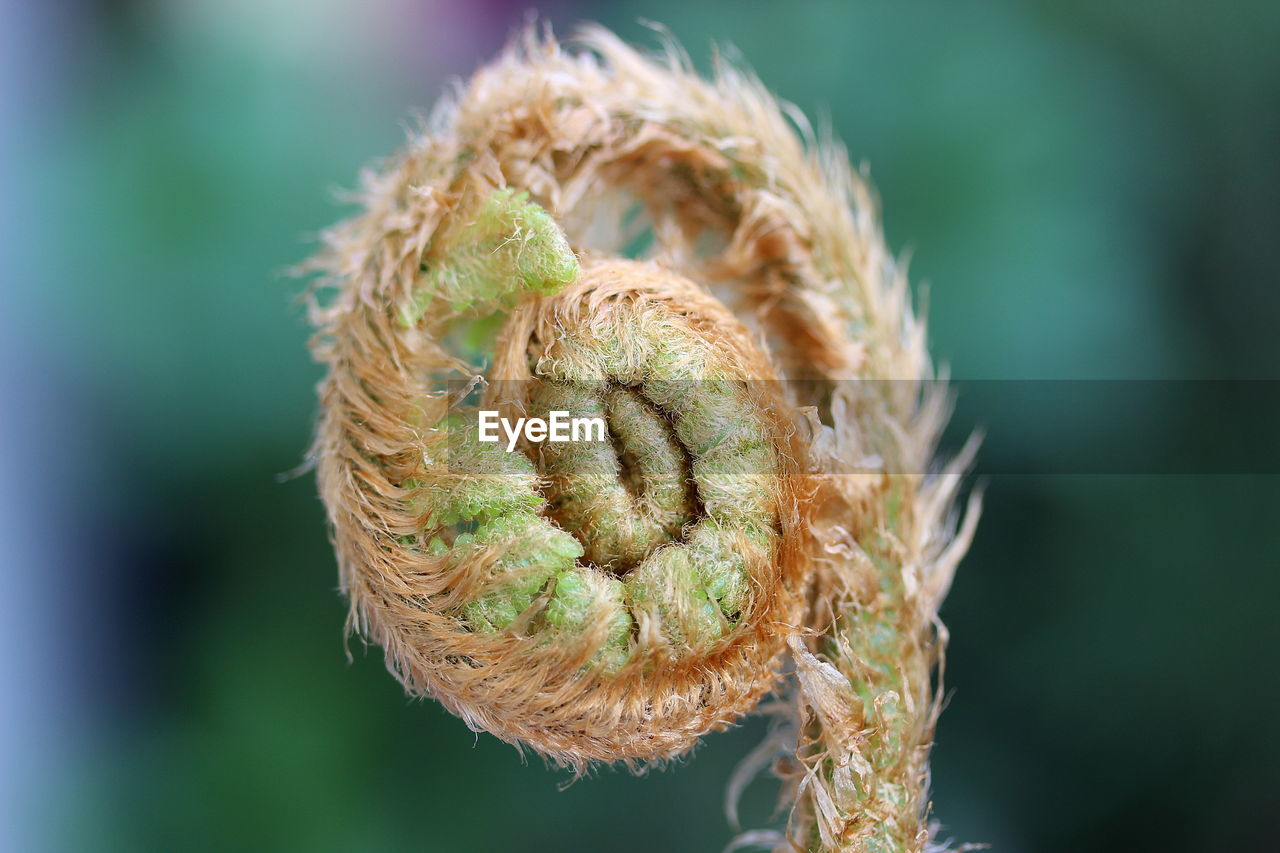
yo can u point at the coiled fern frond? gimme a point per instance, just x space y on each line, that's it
605 234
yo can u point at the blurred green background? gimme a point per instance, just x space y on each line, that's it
1089 190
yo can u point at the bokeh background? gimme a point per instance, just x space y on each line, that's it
1090 190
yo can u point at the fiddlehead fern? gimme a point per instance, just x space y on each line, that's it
616 600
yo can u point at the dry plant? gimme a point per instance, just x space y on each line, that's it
760 521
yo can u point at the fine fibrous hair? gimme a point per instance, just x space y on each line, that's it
588 229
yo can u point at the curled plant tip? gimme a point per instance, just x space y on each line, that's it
598 233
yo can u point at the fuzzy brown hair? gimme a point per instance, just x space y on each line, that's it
768 274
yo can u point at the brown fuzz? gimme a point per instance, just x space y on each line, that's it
606 233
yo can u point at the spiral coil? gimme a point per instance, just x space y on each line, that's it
617 600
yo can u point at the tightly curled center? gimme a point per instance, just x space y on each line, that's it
624 497
676 516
